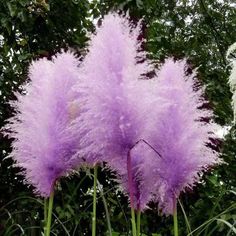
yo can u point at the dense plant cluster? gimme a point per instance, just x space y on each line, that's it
200 31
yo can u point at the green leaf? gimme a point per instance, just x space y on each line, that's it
228 224
115 234
12 9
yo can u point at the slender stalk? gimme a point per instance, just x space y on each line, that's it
186 219
138 222
49 218
106 209
45 215
131 193
133 222
175 222
94 200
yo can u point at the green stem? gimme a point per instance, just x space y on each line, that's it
94 200
175 222
138 222
49 218
106 209
133 222
45 215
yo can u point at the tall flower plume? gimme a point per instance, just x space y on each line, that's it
111 88
44 143
180 135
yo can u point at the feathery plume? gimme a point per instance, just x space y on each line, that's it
110 95
176 130
44 143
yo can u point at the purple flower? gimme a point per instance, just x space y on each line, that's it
175 129
112 106
45 143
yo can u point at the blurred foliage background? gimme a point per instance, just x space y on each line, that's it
200 30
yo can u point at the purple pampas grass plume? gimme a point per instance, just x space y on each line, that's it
110 89
45 143
181 137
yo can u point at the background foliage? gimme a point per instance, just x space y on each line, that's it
200 30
